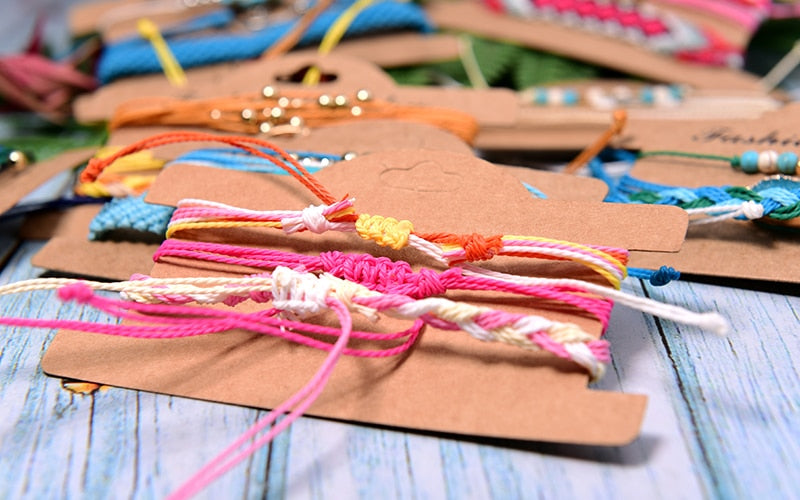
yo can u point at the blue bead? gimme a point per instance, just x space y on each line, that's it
646 95
570 97
540 97
749 162
787 163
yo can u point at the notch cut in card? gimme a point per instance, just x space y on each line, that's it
501 392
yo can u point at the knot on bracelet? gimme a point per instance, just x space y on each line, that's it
384 275
386 231
302 294
312 218
478 247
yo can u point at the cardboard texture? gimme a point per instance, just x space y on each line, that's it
414 391
72 221
584 222
15 185
69 251
566 41
116 19
735 249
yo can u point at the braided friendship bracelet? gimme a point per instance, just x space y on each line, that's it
397 277
749 162
645 26
158 309
620 96
136 56
773 198
271 112
444 248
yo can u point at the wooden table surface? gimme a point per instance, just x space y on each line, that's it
723 421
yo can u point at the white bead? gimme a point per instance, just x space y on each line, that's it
622 93
555 96
663 97
768 162
599 99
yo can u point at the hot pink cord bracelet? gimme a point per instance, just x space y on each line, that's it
381 273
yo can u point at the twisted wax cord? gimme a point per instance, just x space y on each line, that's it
384 275
750 162
381 273
135 56
445 248
777 199
280 157
301 401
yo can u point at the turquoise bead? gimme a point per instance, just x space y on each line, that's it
787 163
749 162
540 96
570 97
646 95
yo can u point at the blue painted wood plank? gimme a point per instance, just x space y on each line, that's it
742 393
709 398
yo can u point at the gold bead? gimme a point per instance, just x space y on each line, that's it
363 95
340 100
269 91
18 160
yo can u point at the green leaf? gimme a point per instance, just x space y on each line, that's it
537 68
494 58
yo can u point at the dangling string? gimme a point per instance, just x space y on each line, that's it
333 35
298 403
466 54
291 38
172 69
780 71
620 118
